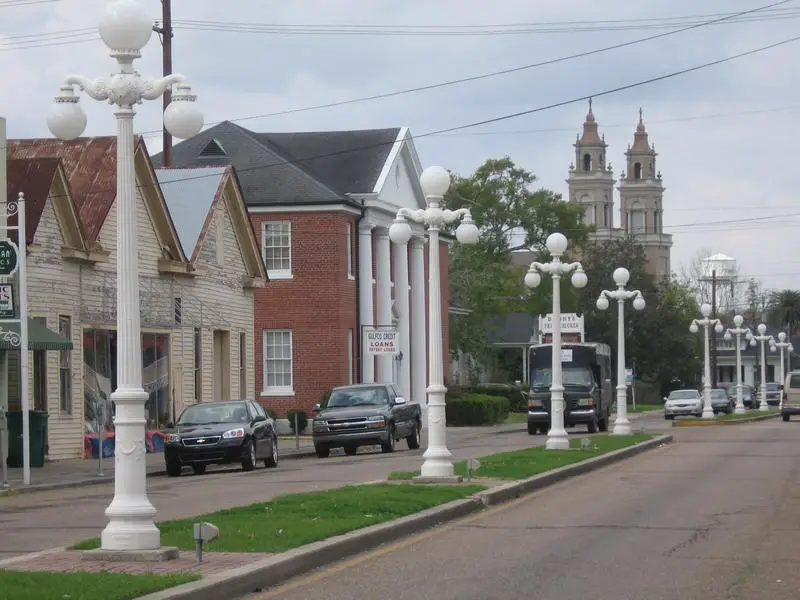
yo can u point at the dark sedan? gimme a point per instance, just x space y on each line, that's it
215 433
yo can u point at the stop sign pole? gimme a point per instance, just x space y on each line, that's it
13 259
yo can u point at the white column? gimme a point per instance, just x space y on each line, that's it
622 425
419 363
366 309
400 263
383 297
130 514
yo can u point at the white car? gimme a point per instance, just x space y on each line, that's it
683 402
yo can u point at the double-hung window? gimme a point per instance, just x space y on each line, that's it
276 248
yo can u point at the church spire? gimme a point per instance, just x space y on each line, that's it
590 135
640 140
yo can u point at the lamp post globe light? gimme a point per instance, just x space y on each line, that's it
125 27
763 338
782 345
435 181
706 323
738 331
556 244
622 426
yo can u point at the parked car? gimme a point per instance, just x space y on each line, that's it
748 396
214 433
721 402
683 402
773 391
365 414
791 395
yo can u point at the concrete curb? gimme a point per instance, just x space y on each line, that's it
717 423
277 569
63 485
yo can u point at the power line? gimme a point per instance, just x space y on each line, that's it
493 73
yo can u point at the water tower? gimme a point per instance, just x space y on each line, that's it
719 271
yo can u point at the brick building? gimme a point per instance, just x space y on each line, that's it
321 204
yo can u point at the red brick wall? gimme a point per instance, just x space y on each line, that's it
318 305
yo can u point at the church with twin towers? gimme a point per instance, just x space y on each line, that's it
641 193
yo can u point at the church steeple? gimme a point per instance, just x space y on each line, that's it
591 180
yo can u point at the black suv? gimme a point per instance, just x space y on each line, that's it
214 433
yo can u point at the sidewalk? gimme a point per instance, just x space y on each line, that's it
77 472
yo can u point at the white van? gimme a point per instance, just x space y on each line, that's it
791 395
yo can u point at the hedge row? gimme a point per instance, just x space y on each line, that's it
516 401
476 409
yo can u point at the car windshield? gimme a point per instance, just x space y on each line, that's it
719 394
367 396
683 395
207 414
772 387
543 378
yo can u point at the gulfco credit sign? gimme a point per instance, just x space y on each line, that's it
380 340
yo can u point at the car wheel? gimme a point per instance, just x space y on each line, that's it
173 468
350 450
199 469
389 445
322 451
413 438
592 426
272 461
249 458
602 425
785 417
669 417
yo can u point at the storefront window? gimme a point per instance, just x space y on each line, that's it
100 378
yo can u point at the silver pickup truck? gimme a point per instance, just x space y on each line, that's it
365 414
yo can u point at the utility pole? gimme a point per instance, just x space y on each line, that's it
712 331
165 31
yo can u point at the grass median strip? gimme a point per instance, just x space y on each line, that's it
750 414
521 464
18 585
293 520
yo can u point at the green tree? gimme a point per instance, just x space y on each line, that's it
512 215
658 338
784 309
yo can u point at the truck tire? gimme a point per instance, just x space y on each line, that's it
592 426
603 424
533 429
413 438
389 445
322 451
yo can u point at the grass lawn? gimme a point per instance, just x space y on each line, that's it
516 417
293 520
522 464
747 415
18 585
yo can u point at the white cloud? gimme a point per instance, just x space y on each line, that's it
710 166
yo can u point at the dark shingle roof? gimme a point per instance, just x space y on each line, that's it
515 328
291 168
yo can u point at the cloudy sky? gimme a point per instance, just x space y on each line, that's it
726 135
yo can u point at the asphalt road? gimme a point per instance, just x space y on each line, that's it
43 520
715 516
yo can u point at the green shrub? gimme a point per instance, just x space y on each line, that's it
516 401
302 419
477 409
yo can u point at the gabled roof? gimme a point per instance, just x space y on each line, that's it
189 194
38 178
91 168
291 168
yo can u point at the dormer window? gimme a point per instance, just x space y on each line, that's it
213 150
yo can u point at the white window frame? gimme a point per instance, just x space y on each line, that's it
277 390
276 273
349 252
65 367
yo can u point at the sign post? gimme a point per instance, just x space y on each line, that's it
13 260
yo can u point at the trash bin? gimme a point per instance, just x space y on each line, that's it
14 421
38 433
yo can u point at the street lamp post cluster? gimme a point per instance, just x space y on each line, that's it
556 244
782 345
763 338
622 426
738 331
126 27
706 323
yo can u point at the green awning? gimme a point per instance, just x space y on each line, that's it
39 337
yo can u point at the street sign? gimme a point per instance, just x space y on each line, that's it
379 341
9 254
7 301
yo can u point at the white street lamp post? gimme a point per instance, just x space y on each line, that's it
706 322
763 338
622 426
556 244
435 182
738 332
782 345
125 27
